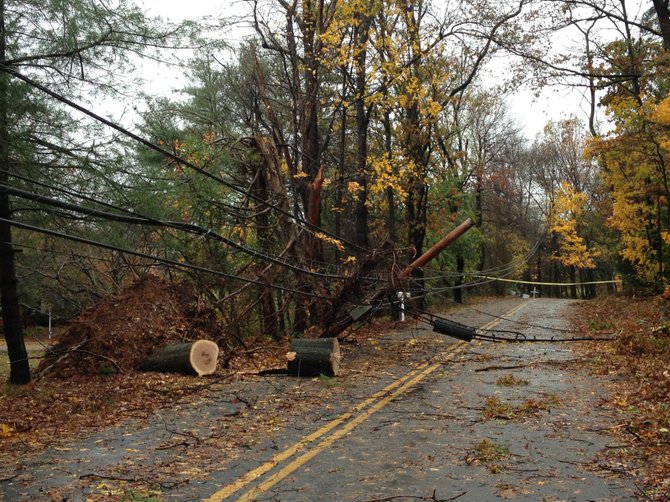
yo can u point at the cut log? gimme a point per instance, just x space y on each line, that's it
199 357
314 357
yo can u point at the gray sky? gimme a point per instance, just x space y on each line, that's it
531 113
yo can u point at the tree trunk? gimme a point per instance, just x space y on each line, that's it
11 316
460 268
199 358
314 357
663 15
362 121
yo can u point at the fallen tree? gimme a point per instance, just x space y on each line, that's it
343 312
314 357
199 357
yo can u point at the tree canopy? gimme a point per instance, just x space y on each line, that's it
299 170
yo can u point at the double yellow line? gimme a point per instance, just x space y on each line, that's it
342 425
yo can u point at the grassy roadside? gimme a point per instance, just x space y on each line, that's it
640 358
33 355
36 340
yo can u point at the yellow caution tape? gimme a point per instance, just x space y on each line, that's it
535 283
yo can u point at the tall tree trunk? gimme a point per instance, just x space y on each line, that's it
460 268
361 210
390 199
11 316
341 167
663 14
479 211
417 205
573 280
417 144
311 150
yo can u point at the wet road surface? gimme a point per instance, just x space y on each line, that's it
452 421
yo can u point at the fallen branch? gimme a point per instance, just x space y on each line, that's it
9 478
99 356
493 368
63 356
433 498
111 478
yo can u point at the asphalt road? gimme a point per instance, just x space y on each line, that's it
429 440
437 425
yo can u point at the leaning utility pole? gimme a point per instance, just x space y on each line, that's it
349 312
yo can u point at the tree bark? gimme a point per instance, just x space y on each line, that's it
314 357
199 357
663 14
362 122
11 314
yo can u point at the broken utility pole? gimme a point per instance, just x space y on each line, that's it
445 242
344 319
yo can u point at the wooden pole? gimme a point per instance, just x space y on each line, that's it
437 248
339 324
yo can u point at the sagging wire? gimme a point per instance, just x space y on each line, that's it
502 270
467 333
138 139
421 291
135 218
165 261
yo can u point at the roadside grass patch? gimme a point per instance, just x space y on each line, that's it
534 406
494 408
510 380
4 362
138 496
600 324
328 381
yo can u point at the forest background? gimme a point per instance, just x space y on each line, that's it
301 168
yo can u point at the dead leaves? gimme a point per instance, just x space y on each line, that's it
495 408
641 355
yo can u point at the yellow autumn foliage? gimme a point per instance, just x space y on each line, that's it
330 240
634 160
567 210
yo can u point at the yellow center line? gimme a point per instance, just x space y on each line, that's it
292 450
402 384
306 457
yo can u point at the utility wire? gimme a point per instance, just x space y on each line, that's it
61 253
489 335
176 158
166 261
135 219
500 269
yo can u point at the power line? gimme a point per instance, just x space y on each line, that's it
166 261
176 158
461 331
135 219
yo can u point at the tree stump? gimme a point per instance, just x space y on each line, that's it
314 357
199 357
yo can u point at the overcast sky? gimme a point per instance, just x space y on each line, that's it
531 112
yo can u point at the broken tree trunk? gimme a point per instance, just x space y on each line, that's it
314 357
199 357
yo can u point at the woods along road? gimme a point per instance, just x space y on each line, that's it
415 416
